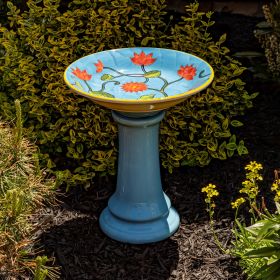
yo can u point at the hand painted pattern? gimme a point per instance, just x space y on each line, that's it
139 83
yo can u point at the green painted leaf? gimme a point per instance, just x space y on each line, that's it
78 85
107 77
152 74
201 74
102 93
148 96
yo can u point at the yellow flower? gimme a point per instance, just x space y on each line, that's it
253 166
210 191
238 202
276 188
250 186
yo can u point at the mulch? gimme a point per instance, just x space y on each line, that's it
72 235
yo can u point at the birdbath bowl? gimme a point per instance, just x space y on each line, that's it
138 84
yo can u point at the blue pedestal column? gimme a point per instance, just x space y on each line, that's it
139 211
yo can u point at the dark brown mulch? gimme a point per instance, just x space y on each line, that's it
71 233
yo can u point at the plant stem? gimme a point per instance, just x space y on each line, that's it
104 84
162 92
143 68
217 241
129 75
18 122
90 89
106 67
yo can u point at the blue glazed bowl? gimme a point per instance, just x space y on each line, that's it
138 79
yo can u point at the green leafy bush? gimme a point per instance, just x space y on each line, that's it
3 9
77 137
24 189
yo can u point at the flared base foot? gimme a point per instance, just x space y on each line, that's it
139 232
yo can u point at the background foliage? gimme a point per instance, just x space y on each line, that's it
78 138
269 37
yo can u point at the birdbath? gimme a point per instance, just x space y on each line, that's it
138 84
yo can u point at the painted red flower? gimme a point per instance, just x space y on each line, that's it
134 87
83 75
99 66
187 72
143 59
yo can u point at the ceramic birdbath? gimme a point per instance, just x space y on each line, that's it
138 84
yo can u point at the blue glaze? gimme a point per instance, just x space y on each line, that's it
107 74
139 211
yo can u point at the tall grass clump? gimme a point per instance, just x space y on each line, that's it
23 190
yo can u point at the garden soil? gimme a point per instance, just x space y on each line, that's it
70 232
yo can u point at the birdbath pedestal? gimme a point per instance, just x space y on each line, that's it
138 84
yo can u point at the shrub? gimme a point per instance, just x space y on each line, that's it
269 37
257 245
77 137
23 190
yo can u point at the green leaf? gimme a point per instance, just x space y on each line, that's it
230 153
212 145
146 40
232 139
261 252
146 97
225 124
80 148
203 157
223 38
239 71
241 149
107 77
231 146
10 5
277 207
263 24
236 123
152 74
50 164
213 49
272 271
222 152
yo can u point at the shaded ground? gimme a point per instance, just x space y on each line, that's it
71 233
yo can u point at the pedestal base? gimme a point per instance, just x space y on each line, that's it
141 232
139 211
